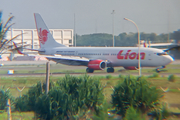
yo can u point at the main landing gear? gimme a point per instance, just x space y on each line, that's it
110 70
89 70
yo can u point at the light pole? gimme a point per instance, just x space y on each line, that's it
74 30
113 25
139 59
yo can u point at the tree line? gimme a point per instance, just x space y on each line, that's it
124 39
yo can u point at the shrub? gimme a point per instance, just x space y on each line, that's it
172 78
108 76
136 92
161 112
33 94
104 113
109 83
132 114
4 96
69 96
21 103
121 76
155 75
28 101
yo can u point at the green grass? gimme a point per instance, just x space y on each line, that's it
172 96
18 116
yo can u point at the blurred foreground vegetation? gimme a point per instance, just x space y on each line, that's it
97 98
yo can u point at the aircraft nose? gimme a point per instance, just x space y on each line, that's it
169 59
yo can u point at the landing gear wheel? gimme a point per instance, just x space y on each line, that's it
89 70
110 70
158 71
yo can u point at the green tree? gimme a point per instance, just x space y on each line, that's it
176 35
99 39
5 44
123 39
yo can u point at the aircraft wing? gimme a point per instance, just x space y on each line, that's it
67 60
38 50
76 61
172 48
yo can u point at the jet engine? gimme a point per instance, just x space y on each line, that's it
131 68
97 64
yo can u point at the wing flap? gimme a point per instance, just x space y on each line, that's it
76 61
69 61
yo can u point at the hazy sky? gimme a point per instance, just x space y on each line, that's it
94 16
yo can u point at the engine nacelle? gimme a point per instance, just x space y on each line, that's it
97 64
131 68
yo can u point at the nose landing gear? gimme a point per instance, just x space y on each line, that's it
158 69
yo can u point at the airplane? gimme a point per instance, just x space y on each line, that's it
97 58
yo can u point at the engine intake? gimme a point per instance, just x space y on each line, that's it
97 64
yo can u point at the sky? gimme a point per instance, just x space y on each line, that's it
95 16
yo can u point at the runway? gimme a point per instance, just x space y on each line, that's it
32 66
78 74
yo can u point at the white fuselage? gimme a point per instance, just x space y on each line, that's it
118 56
98 57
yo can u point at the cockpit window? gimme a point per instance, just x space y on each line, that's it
163 53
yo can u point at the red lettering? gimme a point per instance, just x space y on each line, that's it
132 55
127 54
119 55
137 56
142 54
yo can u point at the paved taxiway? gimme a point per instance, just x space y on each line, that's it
32 65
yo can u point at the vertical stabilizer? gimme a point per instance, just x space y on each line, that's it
46 40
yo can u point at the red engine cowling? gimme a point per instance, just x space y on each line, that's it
131 68
97 64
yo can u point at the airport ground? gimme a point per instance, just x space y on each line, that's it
38 68
28 73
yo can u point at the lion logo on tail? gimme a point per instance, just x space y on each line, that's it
43 35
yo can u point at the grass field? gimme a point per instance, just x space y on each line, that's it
18 116
172 96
